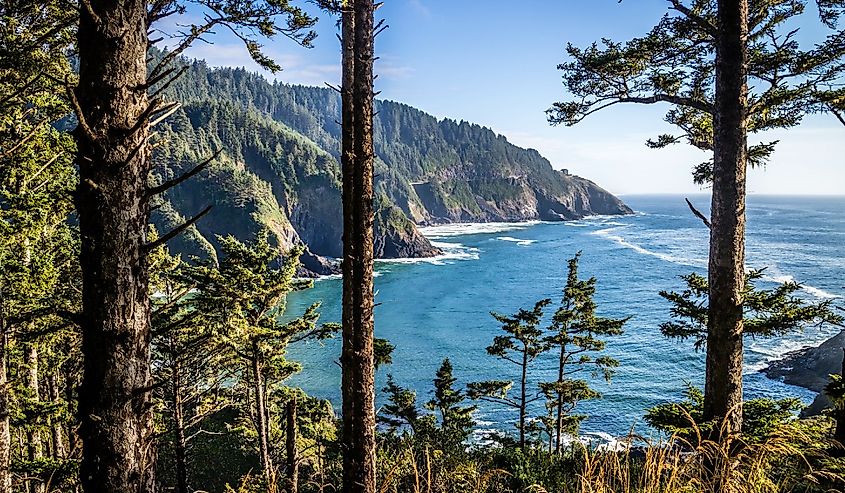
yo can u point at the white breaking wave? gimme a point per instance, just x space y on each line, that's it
606 233
810 337
461 229
811 290
451 252
518 241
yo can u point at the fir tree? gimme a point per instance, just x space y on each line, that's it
455 418
835 391
575 329
401 411
765 313
245 296
522 343
727 68
189 363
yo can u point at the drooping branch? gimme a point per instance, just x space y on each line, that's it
698 214
700 21
152 191
176 231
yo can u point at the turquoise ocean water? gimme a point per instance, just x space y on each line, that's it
435 308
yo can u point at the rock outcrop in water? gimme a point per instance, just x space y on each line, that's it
809 368
279 170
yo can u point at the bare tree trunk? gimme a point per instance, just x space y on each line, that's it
114 161
723 383
5 432
180 445
358 438
261 423
290 446
559 421
523 405
56 432
839 433
71 386
35 450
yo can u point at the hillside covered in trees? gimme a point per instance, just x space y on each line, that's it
279 169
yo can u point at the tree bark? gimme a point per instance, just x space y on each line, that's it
5 432
114 161
726 271
57 442
358 438
523 405
180 446
261 423
35 449
292 469
839 432
559 421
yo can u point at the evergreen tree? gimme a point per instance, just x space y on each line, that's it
401 411
358 159
699 59
765 313
684 420
522 343
245 297
37 245
455 418
189 364
116 102
575 329
835 390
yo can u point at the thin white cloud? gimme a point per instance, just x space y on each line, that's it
420 7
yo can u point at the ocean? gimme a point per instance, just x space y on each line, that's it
435 308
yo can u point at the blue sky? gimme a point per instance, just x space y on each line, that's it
493 62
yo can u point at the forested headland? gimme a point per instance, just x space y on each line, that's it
156 213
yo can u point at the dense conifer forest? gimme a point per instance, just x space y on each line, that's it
155 215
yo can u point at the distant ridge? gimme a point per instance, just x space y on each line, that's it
279 169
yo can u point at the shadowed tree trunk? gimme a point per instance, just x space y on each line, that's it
114 161
358 438
523 403
35 450
261 422
726 275
5 435
180 445
292 472
839 433
56 432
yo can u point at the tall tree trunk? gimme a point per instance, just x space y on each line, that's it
70 390
180 446
559 421
358 438
114 161
261 423
839 433
290 446
523 405
726 272
5 432
57 440
35 450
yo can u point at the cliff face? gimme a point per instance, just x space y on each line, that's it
810 367
279 169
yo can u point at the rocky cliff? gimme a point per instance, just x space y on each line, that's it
278 169
810 367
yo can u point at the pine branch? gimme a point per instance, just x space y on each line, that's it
698 214
176 231
153 191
